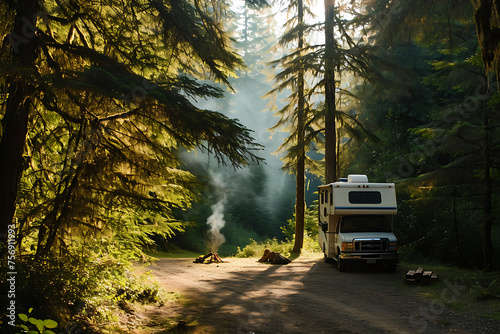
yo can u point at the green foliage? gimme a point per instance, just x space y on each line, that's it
42 326
299 116
81 291
115 84
105 129
311 224
142 289
476 290
256 249
434 109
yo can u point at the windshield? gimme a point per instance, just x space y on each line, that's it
364 224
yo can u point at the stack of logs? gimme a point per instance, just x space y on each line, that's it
214 257
420 276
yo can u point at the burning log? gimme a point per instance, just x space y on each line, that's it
274 258
214 257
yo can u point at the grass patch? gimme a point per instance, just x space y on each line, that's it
174 254
256 249
494 315
462 290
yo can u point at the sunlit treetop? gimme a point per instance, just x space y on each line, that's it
112 89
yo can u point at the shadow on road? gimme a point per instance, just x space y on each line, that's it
305 296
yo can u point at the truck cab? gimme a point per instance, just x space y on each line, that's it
356 221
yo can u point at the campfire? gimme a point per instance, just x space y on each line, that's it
214 257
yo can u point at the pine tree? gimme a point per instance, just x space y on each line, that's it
296 115
99 100
331 172
440 92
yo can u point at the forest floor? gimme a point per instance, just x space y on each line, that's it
310 296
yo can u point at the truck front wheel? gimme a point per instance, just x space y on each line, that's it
393 266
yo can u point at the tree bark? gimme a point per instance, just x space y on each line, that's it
15 120
488 217
300 172
330 112
487 18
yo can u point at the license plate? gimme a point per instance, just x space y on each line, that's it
371 261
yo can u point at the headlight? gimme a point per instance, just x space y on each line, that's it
347 247
393 246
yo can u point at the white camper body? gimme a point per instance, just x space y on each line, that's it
355 222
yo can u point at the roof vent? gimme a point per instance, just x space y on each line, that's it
354 178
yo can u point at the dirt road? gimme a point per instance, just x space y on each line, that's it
306 296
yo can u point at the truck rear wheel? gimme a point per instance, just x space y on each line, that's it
325 256
341 265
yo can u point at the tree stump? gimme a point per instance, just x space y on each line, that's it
273 258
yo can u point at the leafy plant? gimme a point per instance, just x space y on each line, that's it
311 223
42 326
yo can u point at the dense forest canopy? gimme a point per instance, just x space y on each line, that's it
126 125
99 101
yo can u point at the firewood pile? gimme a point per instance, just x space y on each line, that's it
273 258
420 276
209 258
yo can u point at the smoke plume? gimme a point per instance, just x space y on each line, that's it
216 223
216 220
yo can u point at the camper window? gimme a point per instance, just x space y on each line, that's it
365 197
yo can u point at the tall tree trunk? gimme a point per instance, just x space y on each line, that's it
15 120
299 205
300 173
330 123
488 217
487 17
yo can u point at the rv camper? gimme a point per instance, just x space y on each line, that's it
355 222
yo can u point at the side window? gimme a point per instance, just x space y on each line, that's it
327 196
322 197
365 197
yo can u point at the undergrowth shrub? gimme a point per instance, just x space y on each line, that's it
84 292
256 249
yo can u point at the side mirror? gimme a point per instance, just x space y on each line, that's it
324 227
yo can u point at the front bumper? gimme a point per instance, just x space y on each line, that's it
370 258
